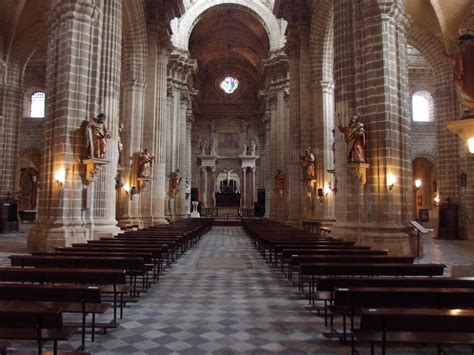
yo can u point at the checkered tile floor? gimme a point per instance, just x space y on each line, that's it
251 310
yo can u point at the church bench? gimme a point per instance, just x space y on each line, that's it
275 247
348 302
414 326
169 248
133 266
327 284
111 281
318 246
71 299
310 271
354 256
147 257
160 252
33 322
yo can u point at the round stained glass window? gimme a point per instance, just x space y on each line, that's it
229 84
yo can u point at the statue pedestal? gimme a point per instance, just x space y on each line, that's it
360 170
195 213
143 183
93 166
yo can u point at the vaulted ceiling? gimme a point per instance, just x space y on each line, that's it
229 41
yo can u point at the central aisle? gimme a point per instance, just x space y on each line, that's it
241 307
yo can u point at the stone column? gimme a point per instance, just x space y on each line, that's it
155 128
131 135
371 77
269 193
244 188
204 187
104 194
188 147
254 186
73 67
212 195
11 108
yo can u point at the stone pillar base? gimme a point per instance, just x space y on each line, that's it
397 238
104 231
150 222
43 237
130 221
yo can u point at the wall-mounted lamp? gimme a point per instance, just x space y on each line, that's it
436 199
391 181
320 195
418 183
130 190
60 177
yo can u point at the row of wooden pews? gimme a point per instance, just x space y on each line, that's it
379 299
87 279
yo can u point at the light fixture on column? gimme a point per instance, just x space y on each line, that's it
391 181
129 190
60 177
436 199
418 183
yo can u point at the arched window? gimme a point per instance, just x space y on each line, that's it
421 106
37 104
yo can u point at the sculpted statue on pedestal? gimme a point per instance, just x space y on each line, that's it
355 140
464 68
175 180
279 183
145 162
97 137
28 189
251 148
309 164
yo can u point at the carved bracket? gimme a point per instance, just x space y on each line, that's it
93 166
143 184
360 170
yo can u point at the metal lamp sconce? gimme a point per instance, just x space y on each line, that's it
130 190
60 177
391 181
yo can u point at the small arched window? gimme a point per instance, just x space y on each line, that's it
38 102
421 106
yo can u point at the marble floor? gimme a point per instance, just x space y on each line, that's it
222 298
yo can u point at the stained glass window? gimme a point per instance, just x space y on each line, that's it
229 84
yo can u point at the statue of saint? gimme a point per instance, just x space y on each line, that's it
212 147
175 180
279 183
464 68
187 189
251 148
355 140
309 164
245 149
119 141
28 189
145 162
204 148
97 136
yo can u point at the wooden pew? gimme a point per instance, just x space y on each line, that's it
33 322
70 298
415 326
296 260
133 266
310 271
348 302
103 277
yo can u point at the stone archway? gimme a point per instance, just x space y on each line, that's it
262 13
